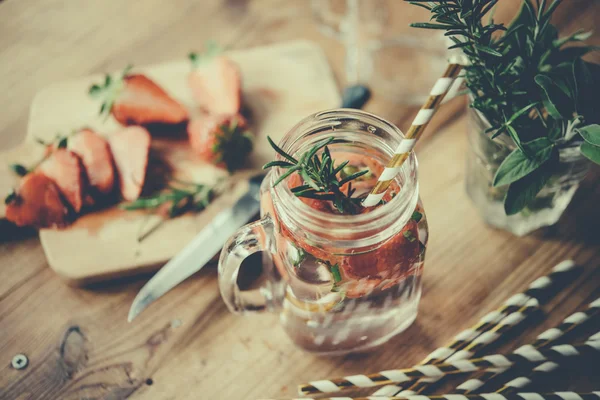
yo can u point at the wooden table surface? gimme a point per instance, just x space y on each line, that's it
187 345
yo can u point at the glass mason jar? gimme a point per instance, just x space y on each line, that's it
340 283
483 160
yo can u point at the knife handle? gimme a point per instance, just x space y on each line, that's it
250 239
355 96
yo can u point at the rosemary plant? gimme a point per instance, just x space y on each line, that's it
529 83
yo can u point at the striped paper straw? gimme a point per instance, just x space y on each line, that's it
477 343
542 340
547 367
526 353
537 290
483 396
437 94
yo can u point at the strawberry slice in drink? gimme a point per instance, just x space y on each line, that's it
37 203
384 266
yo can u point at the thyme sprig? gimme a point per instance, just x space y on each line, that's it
186 196
320 176
59 142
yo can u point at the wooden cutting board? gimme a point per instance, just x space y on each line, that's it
282 84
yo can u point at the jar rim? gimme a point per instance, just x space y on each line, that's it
389 215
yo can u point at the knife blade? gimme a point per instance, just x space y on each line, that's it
205 245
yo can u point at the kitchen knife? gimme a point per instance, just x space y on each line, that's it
201 249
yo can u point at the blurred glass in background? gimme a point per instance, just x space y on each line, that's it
382 50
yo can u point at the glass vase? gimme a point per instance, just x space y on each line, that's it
483 160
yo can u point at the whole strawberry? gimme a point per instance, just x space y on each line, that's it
215 81
134 99
223 140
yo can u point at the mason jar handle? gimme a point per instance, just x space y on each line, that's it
249 239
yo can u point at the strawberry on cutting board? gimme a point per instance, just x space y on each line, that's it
216 82
130 148
134 99
223 140
64 168
36 203
97 160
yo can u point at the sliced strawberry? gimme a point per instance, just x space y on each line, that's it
223 140
134 99
394 257
65 169
216 84
37 203
96 157
130 149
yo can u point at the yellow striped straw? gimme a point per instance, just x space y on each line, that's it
437 94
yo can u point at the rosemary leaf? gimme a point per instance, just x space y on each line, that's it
320 180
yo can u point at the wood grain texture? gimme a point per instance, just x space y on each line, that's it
187 346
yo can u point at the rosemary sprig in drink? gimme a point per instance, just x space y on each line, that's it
320 176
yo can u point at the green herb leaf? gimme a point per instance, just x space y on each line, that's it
281 152
488 50
277 163
579 36
591 152
335 272
95 90
523 191
11 197
211 50
554 97
285 175
591 134
416 216
409 236
127 70
518 165
521 112
339 168
416 3
426 25
308 180
319 176
354 176
19 169
188 197
62 143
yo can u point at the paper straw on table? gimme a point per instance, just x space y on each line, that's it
537 290
544 339
437 94
483 396
527 354
538 372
